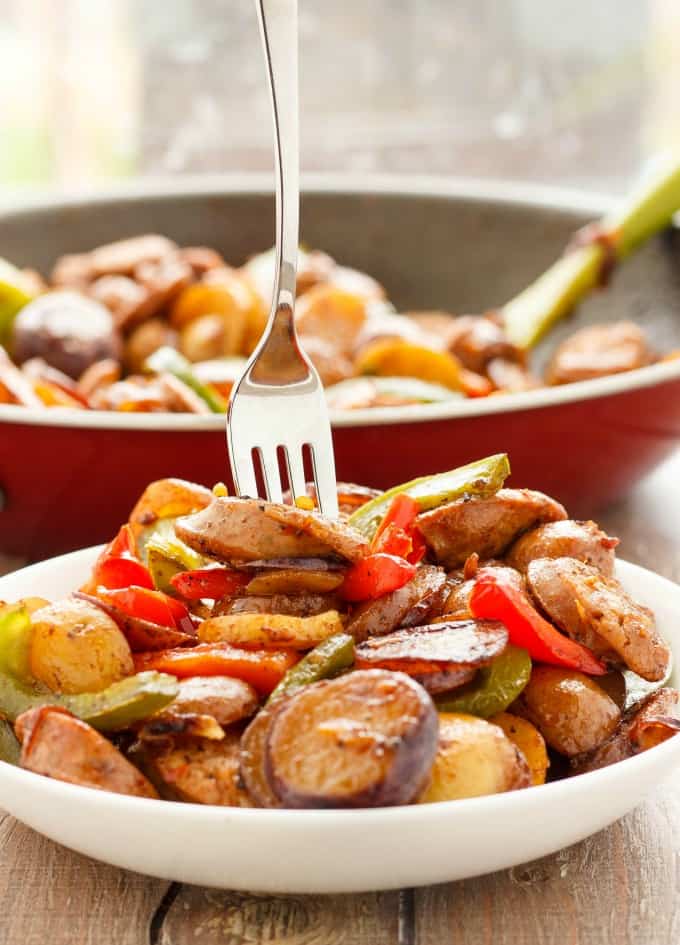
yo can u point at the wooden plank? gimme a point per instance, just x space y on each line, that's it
210 917
618 887
49 894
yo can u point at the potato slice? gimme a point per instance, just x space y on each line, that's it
76 647
299 633
529 741
474 758
294 581
394 357
252 759
366 739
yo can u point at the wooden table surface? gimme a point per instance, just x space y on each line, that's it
619 887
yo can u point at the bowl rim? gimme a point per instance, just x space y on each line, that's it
476 190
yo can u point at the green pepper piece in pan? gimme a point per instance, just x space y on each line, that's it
327 659
10 749
117 707
648 209
481 478
14 294
495 687
166 555
167 360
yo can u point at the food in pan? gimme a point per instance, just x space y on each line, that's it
449 638
146 325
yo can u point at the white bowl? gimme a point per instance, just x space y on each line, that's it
279 851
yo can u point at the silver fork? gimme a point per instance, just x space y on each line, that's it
279 401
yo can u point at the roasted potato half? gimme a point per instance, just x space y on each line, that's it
76 647
474 758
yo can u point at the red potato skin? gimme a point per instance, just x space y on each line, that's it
252 758
142 635
56 744
406 757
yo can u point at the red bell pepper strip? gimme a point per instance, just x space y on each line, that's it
376 575
494 597
397 533
152 606
263 668
118 565
212 583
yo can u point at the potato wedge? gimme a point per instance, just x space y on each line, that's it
293 581
299 633
76 647
394 357
474 758
529 741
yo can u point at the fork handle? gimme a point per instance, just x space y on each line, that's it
279 31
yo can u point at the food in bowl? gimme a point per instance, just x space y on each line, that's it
448 638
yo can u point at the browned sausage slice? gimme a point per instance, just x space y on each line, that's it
439 647
647 724
572 713
596 610
249 529
584 541
414 601
60 746
485 526
223 698
367 739
199 771
598 350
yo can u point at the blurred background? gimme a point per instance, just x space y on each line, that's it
558 91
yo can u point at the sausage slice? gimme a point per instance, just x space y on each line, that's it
485 526
60 746
647 724
598 350
250 529
596 610
414 601
367 739
200 771
584 541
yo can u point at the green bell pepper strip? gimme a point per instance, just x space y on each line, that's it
327 659
166 555
14 294
648 209
117 707
482 478
10 749
494 688
167 360
406 388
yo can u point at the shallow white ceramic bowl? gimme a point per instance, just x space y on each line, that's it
332 851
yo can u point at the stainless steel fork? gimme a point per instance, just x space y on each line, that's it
279 402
